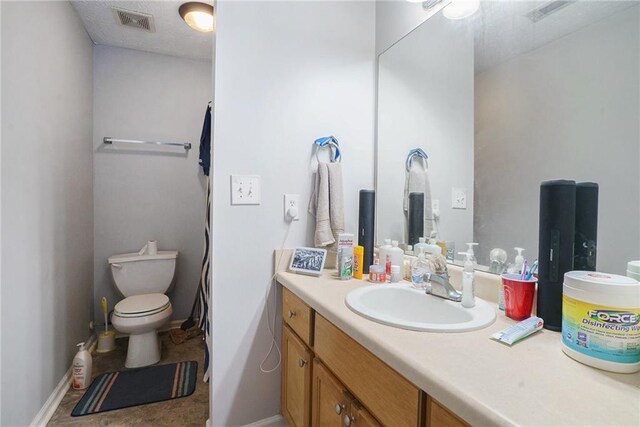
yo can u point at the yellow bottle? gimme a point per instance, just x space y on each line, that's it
358 260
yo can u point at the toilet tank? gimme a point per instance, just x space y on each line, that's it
135 274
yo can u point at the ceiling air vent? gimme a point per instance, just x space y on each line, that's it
139 20
542 12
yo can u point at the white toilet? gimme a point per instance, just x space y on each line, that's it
143 280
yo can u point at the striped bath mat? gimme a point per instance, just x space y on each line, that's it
122 389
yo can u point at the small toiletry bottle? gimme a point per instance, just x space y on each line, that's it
82 365
451 250
419 268
432 248
395 274
377 274
383 252
358 259
345 266
468 299
422 243
395 256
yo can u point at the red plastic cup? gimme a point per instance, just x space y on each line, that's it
518 296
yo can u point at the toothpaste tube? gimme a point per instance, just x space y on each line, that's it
520 330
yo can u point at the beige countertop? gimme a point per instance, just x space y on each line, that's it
481 380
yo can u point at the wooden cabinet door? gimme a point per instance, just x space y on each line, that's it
330 404
296 380
439 416
360 417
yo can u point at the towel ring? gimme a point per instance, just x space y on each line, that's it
416 152
333 145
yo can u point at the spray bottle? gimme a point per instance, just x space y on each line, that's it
468 299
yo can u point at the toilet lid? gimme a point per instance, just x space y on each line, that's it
141 305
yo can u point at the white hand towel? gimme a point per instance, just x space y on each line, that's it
327 204
417 181
336 199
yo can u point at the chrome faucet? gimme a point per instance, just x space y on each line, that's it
440 286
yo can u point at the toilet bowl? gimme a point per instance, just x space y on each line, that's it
143 280
141 316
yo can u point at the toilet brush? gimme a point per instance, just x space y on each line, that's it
106 339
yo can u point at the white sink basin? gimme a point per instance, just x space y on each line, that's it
405 307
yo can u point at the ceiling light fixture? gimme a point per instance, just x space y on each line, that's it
198 16
460 9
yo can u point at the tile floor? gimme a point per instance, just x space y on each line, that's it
188 411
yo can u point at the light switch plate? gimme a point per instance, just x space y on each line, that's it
458 198
245 189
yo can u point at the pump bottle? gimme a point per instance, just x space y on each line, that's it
82 365
468 299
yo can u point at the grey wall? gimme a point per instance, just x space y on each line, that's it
567 110
149 193
426 103
286 74
47 200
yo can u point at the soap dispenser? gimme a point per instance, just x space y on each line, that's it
517 266
468 299
419 268
470 250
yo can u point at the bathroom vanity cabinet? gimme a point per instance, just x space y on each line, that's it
328 379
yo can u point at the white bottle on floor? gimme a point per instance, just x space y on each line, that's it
82 365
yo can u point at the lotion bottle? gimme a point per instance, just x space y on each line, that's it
468 299
395 256
383 255
82 365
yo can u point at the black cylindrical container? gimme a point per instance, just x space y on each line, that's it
366 224
416 217
586 239
555 247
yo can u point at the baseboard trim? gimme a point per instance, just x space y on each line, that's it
275 421
52 403
50 406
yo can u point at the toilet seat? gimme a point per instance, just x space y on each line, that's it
142 305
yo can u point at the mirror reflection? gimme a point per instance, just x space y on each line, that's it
474 114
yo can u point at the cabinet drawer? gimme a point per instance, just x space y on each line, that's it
391 398
439 416
297 315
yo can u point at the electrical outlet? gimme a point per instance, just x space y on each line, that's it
245 189
291 207
458 198
435 208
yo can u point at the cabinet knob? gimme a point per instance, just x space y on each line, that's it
302 362
291 314
339 408
347 420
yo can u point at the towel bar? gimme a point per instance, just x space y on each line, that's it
109 140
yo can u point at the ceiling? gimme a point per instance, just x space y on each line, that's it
172 36
503 31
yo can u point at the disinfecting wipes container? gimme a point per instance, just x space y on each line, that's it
601 320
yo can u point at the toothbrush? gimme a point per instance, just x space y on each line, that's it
104 310
532 270
523 274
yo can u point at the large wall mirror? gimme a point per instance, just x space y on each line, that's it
519 93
